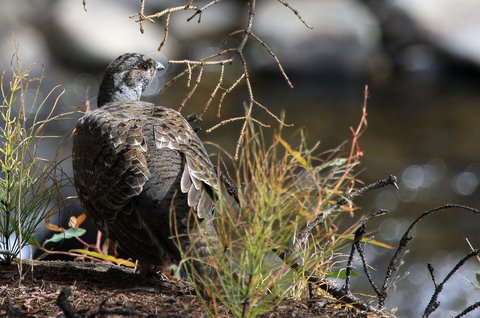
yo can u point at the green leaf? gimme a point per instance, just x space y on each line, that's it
67 234
477 275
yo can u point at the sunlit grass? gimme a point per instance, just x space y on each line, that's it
280 188
29 184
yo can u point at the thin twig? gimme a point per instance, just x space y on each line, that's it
200 10
228 91
295 11
214 92
225 56
431 270
166 28
271 114
433 304
202 62
274 56
190 93
468 309
359 233
320 219
393 266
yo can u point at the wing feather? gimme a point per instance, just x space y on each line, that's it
199 176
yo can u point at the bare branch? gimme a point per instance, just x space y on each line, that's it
295 11
271 114
225 121
468 309
202 62
433 304
215 90
200 10
228 91
395 261
275 58
190 93
226 56
165 30
320 219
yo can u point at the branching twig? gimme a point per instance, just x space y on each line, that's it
200 10
320 219
274 56
225 55
190 93
214 92
359 233
393 266
434 303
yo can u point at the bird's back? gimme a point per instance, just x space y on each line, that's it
139 169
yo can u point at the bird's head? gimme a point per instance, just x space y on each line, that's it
127 77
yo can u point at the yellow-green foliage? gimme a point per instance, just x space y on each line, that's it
280 189
27 182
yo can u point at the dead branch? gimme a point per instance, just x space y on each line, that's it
434 303
468 309
357 245
295 11
320 219
341 295
394 264
200 10
227 56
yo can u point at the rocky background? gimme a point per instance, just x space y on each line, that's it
420 58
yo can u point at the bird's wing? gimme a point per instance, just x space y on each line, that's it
199 178
115 169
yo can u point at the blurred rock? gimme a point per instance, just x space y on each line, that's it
344 39
202 39
17 30
102 33
453 26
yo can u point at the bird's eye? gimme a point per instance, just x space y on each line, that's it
145 66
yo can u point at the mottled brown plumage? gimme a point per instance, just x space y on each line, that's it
139 168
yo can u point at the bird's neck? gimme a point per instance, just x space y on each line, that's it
113 89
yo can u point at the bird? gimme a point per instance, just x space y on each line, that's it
141 172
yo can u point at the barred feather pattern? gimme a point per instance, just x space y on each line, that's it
138 167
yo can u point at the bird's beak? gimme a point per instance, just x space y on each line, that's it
160 66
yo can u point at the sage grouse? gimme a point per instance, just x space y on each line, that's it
140 168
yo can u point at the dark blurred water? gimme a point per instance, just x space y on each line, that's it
425 132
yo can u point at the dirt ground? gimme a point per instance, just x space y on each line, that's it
78 289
